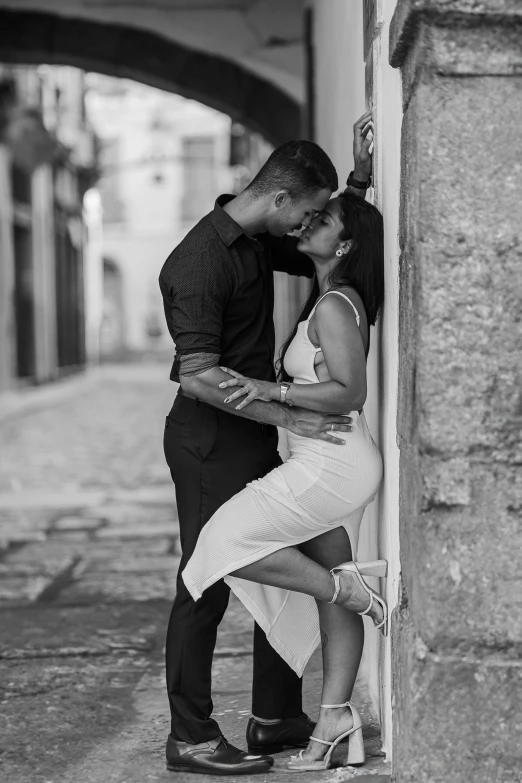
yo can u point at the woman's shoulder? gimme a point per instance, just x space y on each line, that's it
341 298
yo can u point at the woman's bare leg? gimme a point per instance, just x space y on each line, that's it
307 570
342 637
291 569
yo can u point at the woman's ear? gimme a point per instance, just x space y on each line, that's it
345 246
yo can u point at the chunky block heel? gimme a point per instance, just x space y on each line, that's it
373 568
356 755
355 745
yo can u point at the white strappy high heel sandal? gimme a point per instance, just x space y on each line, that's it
371 568
355 755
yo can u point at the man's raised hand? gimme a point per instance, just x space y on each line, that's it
363 146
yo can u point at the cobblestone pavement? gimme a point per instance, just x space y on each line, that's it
88 557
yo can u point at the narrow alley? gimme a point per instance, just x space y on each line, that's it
121 124
88 557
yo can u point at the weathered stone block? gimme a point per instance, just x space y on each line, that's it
466 718
470 263
411 15
465 585
446 482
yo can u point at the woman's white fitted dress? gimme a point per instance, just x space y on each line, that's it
320 487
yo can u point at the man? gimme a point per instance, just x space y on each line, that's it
218 295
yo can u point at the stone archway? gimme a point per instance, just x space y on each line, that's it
118 50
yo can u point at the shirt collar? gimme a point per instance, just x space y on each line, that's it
226 226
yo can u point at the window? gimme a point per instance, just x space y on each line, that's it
199 177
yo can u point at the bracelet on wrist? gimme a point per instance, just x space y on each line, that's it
284 388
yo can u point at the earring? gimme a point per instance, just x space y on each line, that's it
339 253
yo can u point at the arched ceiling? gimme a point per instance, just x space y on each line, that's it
244 57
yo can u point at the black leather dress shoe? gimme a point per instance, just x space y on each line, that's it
217 757
275 737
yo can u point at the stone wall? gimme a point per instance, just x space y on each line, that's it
458 628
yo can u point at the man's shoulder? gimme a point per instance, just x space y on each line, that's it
197 238
202 244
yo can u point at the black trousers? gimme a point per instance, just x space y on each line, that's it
212 455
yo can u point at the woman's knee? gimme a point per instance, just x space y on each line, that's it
329 549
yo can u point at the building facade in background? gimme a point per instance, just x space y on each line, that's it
163 161
47 161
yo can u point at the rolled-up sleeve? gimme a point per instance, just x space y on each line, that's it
196 363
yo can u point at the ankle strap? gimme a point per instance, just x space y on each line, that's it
368 607
337 583
323 742
334 706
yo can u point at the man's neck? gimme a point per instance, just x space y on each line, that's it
248 213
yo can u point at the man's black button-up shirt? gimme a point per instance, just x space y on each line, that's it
218 292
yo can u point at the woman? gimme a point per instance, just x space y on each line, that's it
279 542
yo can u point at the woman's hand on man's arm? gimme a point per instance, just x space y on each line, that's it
306 423
250 389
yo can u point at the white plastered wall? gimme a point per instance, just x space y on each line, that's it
340 100
7 275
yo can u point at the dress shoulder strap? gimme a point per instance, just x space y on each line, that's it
340 293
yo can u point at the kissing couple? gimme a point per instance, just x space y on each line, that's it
282 536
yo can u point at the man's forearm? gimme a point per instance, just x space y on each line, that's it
361 175
361 192
306 423
205 387
362 157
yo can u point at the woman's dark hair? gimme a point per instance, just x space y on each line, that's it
362 267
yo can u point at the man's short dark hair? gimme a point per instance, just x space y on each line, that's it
300 167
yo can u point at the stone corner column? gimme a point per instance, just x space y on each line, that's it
457 684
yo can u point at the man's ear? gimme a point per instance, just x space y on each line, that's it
282 197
